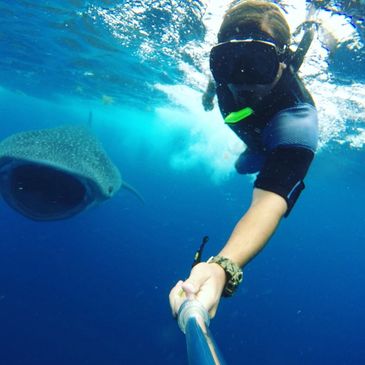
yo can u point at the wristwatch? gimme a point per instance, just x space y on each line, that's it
233 272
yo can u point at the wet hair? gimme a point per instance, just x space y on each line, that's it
251 16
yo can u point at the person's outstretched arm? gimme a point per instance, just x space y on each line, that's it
207 280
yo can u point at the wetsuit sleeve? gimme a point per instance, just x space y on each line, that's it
291 140
284 171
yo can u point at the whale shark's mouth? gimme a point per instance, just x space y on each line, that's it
43 193
55 173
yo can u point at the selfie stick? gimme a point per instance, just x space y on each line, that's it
193 320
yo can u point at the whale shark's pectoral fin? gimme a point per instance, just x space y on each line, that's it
133 191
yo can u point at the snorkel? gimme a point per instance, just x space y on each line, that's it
235 117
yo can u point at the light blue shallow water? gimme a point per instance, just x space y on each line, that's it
93 289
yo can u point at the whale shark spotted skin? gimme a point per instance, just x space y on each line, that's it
56 173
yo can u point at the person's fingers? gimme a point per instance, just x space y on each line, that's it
175 289
176 297
190 289
204 284
201 285
187 289
208 106
197 278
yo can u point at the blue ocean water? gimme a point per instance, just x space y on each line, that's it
94 289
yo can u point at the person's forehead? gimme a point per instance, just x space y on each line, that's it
250 32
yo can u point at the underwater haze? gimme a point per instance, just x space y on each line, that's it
93 289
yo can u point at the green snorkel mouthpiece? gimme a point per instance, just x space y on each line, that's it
236 117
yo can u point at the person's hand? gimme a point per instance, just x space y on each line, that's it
207 101
205 284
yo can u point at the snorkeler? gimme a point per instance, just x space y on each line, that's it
264 102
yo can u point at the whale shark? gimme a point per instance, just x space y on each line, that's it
55 173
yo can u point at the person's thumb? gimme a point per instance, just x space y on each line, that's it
193 284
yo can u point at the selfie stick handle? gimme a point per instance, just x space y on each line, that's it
193 320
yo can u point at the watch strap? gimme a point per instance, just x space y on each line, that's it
233 272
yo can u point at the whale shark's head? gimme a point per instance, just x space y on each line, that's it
55 173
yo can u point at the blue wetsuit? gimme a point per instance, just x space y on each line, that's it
281 135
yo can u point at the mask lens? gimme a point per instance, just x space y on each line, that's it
245 62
